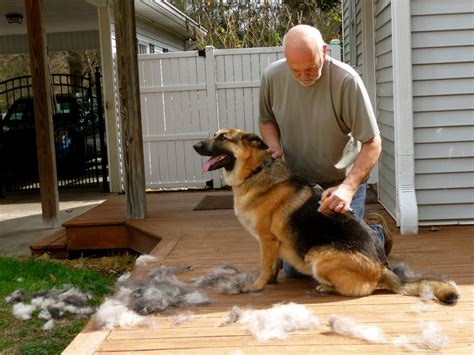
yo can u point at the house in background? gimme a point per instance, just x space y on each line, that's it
88 24
417 61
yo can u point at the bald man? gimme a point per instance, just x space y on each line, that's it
316 114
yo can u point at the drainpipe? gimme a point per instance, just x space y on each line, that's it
407 207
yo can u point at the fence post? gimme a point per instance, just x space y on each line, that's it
212 102
335 49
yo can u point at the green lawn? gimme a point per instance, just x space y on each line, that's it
27 337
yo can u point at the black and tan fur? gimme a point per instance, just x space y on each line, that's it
280 210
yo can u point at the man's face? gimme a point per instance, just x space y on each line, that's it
306 68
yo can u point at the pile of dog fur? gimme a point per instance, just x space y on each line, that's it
52 304
159 289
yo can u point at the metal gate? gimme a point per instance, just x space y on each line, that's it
79 139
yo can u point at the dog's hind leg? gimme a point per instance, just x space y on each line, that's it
349 274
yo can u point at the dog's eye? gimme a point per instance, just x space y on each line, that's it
221 137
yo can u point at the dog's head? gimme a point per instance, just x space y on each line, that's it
227 146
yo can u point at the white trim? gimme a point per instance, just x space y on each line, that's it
407 208
368 65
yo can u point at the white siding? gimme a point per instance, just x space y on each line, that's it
384 109
159 37
61 41
443 104
352 34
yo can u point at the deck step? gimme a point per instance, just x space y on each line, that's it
140 237
54 244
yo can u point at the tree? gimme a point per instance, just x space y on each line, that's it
238 24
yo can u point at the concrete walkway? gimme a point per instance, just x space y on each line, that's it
21 222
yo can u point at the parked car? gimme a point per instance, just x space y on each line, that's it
18 136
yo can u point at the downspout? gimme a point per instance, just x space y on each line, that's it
407 207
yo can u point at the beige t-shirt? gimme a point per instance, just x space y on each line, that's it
319 134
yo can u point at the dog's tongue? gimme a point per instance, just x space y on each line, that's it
208 165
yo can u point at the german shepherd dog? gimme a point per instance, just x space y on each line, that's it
279 209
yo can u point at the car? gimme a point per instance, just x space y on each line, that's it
71 120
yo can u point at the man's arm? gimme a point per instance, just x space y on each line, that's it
271 136
339 198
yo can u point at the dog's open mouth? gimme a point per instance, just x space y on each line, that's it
216 162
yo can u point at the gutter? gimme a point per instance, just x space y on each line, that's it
407 207
173 13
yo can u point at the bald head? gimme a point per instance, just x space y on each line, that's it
303 37
305 52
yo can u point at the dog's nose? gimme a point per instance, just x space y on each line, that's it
198 146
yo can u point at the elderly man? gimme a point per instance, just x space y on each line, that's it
315 113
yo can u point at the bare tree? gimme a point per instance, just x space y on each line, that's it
236 24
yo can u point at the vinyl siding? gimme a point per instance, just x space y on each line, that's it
159 38
352 34
60 41
443 104
384 109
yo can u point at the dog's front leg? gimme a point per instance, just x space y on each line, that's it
269 262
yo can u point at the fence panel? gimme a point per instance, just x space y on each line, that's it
187 96
238 74
174 116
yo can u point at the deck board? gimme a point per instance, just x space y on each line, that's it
208 238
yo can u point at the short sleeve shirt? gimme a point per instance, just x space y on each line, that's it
320 125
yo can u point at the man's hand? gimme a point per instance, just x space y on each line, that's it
271 136
337 199
275 152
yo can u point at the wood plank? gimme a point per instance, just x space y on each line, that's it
97 237
86 342
57 239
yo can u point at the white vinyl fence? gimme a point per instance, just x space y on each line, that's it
186 97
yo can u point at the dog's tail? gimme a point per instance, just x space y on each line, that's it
437 287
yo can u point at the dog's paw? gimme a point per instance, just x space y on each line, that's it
324 289
255 287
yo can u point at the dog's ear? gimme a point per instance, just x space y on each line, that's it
255 141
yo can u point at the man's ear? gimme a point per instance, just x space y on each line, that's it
255 141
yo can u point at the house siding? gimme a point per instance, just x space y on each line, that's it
161 39
352 34
443 104
56 42
384 108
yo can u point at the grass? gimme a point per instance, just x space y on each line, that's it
95 276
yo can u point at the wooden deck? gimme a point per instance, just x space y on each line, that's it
210 238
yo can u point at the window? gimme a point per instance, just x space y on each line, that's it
142 48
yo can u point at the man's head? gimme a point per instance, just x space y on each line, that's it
305 53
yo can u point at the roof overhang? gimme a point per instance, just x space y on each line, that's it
81 15
167 16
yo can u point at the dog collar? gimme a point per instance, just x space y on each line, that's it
264 165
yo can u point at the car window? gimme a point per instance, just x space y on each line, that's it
20 113
67 105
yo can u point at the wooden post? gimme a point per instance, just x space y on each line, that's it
132 139
106 56
42 96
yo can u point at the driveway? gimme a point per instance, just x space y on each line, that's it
21 222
